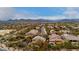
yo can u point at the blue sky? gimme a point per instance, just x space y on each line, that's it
41 11
52 13
49 12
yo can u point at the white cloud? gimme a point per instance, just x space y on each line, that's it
51 17
19 16
6 13
71 13
24 16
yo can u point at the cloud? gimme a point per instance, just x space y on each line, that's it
51 17
28 16
9 13
71 12
24 15
6 13
20 16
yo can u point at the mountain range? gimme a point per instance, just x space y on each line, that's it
39 20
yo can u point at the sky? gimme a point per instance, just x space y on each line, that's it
50 13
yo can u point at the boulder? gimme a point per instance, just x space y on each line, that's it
70 37
54 38
43 31
32 32
38 38
52 31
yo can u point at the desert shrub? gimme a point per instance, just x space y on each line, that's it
75 32
55 47
68 45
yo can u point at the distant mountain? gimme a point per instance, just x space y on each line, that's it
39 20
47 20
29 20
69 20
